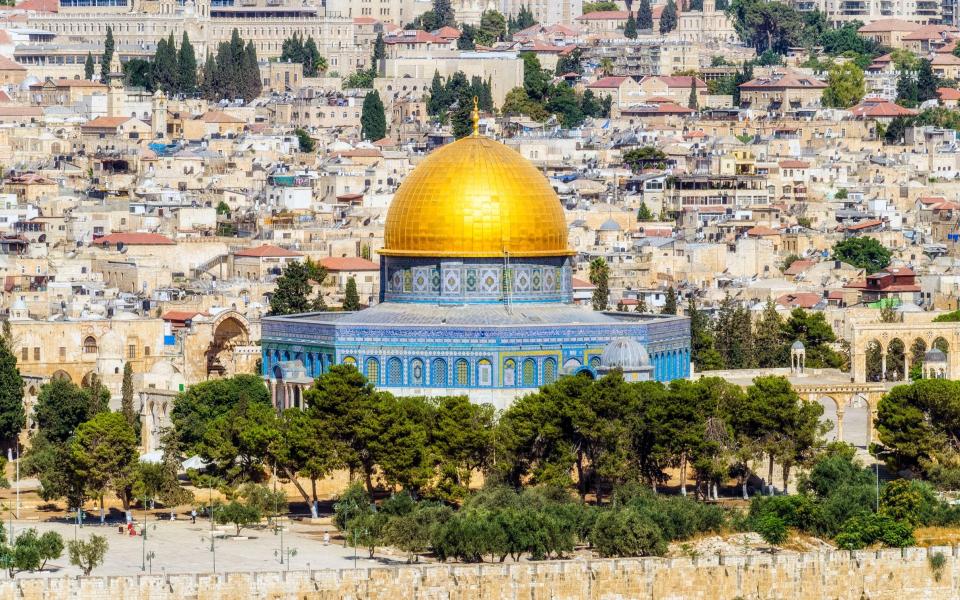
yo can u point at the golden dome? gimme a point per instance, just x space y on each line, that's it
475 198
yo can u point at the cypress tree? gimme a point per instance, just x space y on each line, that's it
670 305
12 416
645 15
250 67
600 278
165 66
226 76
437 101
186 67
668 18
351 299
379 51
108 48
126 396
207 84
88 67
630 29
311 58
692 101
373 119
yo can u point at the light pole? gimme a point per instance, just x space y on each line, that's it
146 516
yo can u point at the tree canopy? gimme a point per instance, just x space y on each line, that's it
863 252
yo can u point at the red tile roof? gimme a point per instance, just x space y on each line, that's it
680 81
761 231
267 251
799 266
799 299
608 82
40 5
580 284
885 25
788 80
794 164
348 263
861 225
878 107
179 315
413 37
135 239
948 93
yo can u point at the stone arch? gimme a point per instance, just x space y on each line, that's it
62 375
856 420
895 365
89 379
918 348
875 352
89 345
229 330
585 372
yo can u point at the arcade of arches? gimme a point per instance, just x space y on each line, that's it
888 352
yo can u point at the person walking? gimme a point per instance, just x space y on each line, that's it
193 515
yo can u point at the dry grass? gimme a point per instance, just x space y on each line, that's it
937 536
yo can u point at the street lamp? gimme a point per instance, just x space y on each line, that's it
290 552
146 516
876 469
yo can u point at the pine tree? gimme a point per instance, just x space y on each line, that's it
126 395
630 29
443 12
641 304
165 66
670 304
108 48
644 214
734 334
373 118
12 416
186 67
769 344
668 18
437 102
692 102
351 299
88 67
645 15
702 352
600 278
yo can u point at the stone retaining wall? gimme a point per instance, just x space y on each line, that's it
886 574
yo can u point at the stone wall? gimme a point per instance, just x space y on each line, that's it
886 574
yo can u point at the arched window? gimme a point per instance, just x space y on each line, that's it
373 371
509 373
484 373
549 370
529 372
462 373
90 345
595 362
416 371
349 360
439 373
394 371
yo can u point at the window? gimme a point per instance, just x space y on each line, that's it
132 351
529 372
549 370
24 354
439 373
90 345
36 354
373 371
462 373
394 372
509 373
349 360
484 372
416 372
63 353
146 350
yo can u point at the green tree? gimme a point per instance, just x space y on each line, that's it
692 101
158 481
563 102
927 81
104 454
624 532
630 28
31 551
601 6
910 501
208 78
379 50
767 25
198 406
303 449
293 291
238 442
668 18
351 299
643 158
702 343
313 63
812 329
845 86
305 143
165 69
12 415
734 334
772 529
645 15
599 277
864 530
61 407
126 397
252 85
373 119
493 28
643 213
768 342
670 305
186 67
108 47
87 554
863 253
88 67
443 11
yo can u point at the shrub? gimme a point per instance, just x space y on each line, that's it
912 501
864 530
88 555
798 511
772 529
625 532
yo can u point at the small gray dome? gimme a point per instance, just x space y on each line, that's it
934 355
624 353
610 225
797 345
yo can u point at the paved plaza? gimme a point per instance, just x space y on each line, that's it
182 547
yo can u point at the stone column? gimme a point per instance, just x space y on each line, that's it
871 405
906 365
860 367
839 423
883 365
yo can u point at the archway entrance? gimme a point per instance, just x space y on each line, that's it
228 333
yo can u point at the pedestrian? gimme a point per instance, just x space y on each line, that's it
193 515
173 515
326 538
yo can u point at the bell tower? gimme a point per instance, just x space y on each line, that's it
158 115
116 95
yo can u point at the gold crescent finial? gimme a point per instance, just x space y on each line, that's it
475 115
